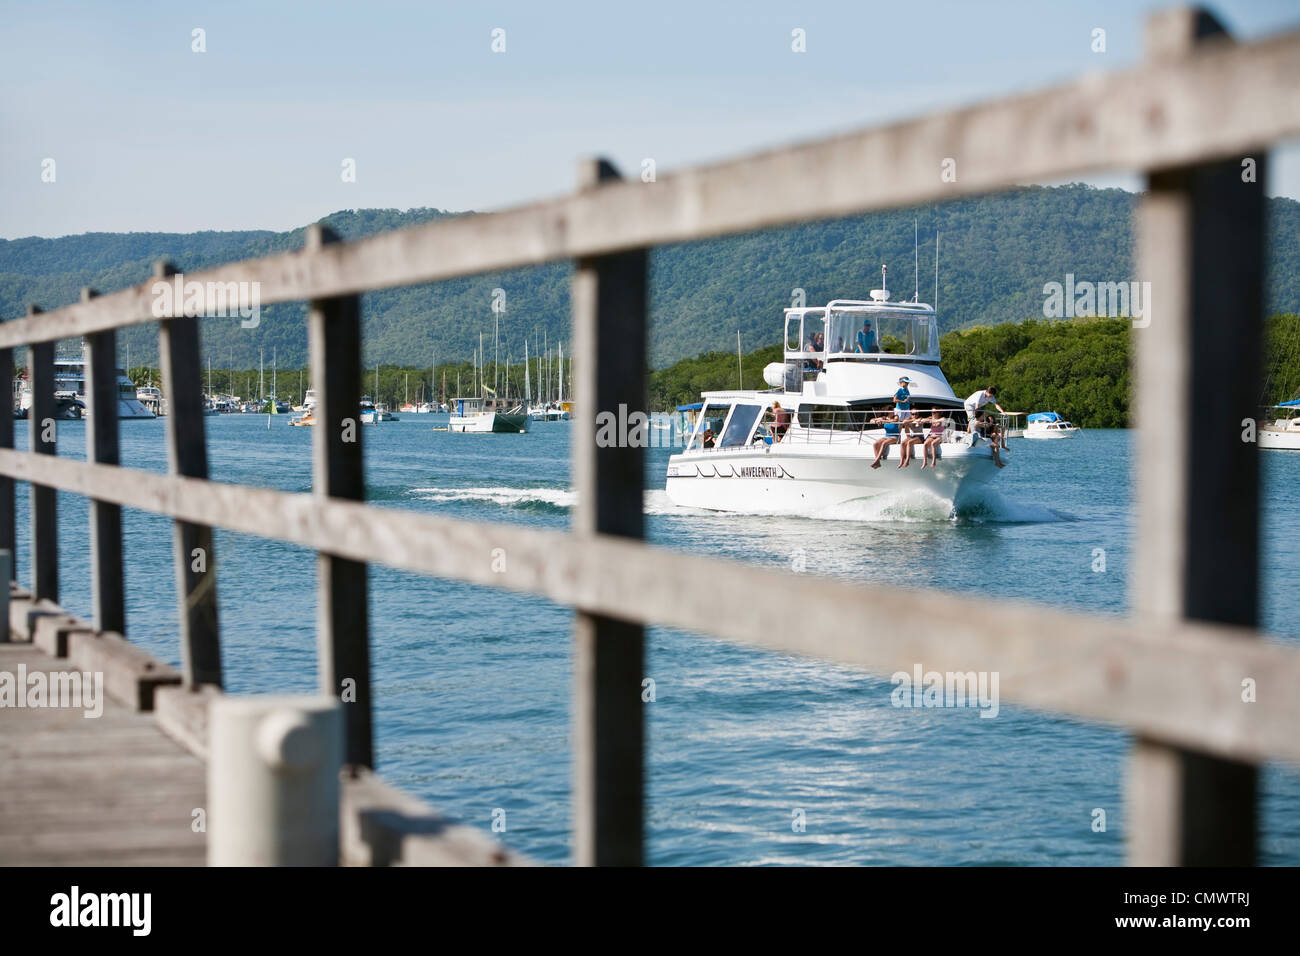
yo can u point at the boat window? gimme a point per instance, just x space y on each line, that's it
793 331
712 417
741 424
805 333
837 417
861 332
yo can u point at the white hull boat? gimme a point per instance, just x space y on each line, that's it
1049 425
809 443
70 392
1282 434
484 416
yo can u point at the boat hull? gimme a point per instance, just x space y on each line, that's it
802 480
501 423
1057 433
1278 440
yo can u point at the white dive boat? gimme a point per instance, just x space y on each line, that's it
1049 425
70 392
834 388
482 415
1283 430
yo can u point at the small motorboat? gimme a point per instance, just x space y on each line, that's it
1049 425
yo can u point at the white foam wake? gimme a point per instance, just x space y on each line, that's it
981 504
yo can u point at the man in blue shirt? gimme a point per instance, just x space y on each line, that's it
867 338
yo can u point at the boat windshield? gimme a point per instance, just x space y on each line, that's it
711 418
854 331
740 425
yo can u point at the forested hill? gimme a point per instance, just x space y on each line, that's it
996 254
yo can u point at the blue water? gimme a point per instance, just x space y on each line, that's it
473 686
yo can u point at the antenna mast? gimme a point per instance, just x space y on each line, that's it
916 260
936 273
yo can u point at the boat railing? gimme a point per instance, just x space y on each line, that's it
1194 117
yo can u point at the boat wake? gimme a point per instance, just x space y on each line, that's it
528 499
983 505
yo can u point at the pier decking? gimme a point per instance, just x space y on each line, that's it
1206 699
112 790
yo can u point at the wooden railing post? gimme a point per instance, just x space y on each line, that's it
609 365
8 505
338 468
1201 247
187 454
43 432
106 559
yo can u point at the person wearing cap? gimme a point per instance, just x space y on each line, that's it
867 338
903 398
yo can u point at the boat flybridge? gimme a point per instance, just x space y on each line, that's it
836 395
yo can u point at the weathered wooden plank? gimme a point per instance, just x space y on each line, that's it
108 585
187 454
1176 681
71 789
338 470
8 512
609 327
42 439
382 826
1201 246
1173 112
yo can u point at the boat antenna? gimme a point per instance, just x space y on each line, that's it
916 260
884 278
936 273
740 374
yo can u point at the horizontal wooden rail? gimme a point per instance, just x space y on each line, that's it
1169 112
1176 682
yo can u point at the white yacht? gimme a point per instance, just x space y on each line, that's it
1049 425
482 415
70 392
843 362
1281 432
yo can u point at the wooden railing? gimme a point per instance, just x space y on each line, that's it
1173 674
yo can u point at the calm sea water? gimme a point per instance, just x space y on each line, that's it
473 686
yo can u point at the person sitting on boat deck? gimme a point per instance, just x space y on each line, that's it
987 428
867 341
707 438
780 421
903 398
933 438
891 423
912 436
976 403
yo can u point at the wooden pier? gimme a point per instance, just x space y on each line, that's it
1176 674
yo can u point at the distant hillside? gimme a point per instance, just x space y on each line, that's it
996 254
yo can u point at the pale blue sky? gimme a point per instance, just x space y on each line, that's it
149 136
